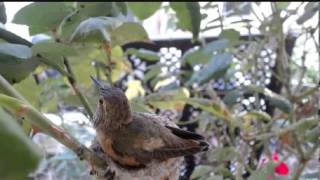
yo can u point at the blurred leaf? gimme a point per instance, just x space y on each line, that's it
194 57
134 89
143 10
95 9
200 171
29 89
231 97
189 16
10 67
143 54
122 7
96 29
171 99
42 16
215 69
85 10
52 48
309 11
100 29
274 99
138 105
3 15
282 5
222 154
258 115
8 50
216 46
19 155
232 35
128 32
265 172
212 107
153 70
215 177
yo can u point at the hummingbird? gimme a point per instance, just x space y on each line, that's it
135 139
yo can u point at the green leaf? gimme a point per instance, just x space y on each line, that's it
94 9
9 66
232 35
222 154
200 171
171 99
216 46
52 48
212 107
189 16
128 32
152 72
309 11
274 98
42 16
258 115
3 15
194 57
15 50
143 54
19 155
85 10
29 89
143 10
138 105
265 172
215 69
95 29
282 5
122 7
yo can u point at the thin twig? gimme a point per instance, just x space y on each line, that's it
74 86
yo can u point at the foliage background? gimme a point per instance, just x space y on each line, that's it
86 39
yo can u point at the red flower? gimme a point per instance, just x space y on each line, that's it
282 169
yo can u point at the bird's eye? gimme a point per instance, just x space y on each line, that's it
100 101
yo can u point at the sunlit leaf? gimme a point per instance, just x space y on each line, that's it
128 32
96 29
143 10
42 16
189 16
143 54
212 107
230 34
172 99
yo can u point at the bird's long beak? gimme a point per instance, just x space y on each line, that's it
97 83
102 89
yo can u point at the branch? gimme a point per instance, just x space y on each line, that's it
280 132
23 109
74 86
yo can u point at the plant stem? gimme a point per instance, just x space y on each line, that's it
74 86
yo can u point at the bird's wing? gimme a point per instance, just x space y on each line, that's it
151 139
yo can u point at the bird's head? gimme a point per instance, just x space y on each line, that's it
113 107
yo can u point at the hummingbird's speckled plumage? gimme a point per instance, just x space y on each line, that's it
136 139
